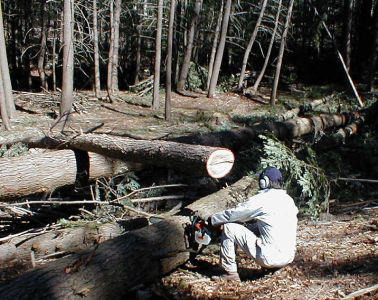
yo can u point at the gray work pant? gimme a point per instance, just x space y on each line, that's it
236 234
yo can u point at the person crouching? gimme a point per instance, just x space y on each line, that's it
271 239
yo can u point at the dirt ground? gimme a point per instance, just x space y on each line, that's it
335 257
132 115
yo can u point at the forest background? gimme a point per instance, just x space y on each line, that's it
77 53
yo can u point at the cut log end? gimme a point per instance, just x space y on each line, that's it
220 163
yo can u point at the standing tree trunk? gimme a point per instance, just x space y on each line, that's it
109 77
115 58
280 54
4 69
374 50
348 32
68 59
267 56
54 57
138 46
159 25
250 44
42 51
168 93
189 48
214 45
96 55
3 106
219 56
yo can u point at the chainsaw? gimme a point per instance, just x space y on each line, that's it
202 234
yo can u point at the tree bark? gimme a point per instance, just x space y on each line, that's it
214 45
250 44
44 172
220 50
195 159
280 54
348 8
68 59
118 265
139 44
67 240
374 50
168 92
189 47
3 106
96 53
4 69
42 51
115 58
269 51
109 77
156 100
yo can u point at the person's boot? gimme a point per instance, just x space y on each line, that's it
228 276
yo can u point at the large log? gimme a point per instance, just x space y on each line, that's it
195 159
66 240
240 137
119 264
44 172
39 245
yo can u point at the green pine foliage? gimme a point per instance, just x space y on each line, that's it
17 149
304 179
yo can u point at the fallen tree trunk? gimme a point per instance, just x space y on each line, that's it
44 172
67 240
62 241
119 264
237 138
195 159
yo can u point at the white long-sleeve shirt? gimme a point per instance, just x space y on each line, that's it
275 214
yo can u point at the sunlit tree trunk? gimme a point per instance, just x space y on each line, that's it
54 57
214 45
220 50
42 48
269 51
159 25
250 44
168 93
109 77
117 16
68 58
3 106
189 48
280 54
4 70
96 56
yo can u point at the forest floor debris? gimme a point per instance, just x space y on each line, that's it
334 258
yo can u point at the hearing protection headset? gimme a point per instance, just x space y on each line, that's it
264 182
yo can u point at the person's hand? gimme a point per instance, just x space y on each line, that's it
215 230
